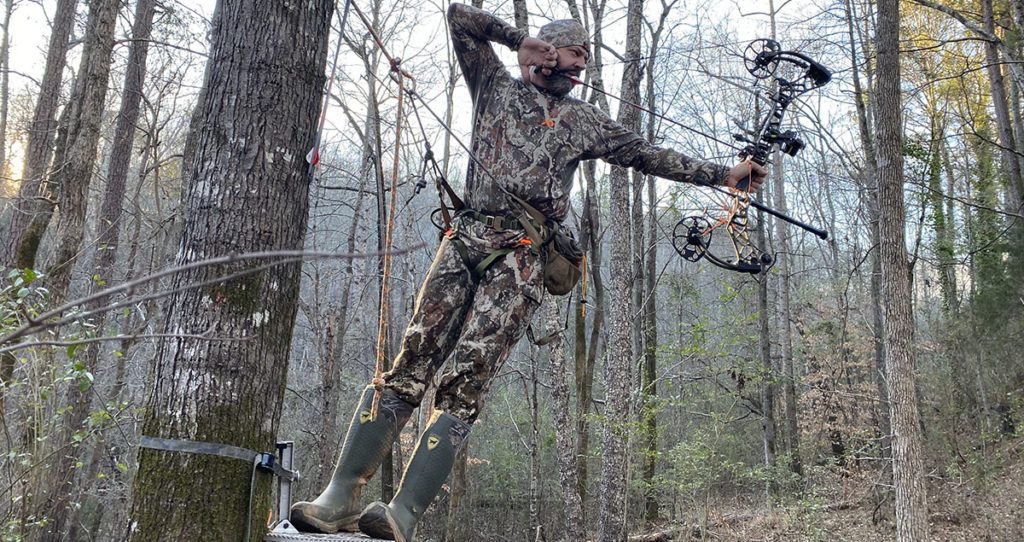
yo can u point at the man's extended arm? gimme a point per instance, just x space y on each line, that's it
615 144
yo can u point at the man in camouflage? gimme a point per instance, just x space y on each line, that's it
528 139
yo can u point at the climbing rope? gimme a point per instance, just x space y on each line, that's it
399 75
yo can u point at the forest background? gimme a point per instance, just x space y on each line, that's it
156 201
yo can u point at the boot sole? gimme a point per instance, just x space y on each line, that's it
308 524
376 526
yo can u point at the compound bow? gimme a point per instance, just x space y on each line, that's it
692 235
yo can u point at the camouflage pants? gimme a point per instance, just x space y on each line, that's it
475 323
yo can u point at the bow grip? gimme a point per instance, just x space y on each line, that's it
756 155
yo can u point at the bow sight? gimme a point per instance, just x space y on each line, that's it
793 74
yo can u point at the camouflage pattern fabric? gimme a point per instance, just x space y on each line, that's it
564 33
475 323
530 142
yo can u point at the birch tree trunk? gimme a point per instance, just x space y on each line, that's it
908 470
248 192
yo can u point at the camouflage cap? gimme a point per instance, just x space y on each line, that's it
564 33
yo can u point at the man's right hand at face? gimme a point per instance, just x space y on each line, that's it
535 52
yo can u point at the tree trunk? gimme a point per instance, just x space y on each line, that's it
587 350
1000 104
248 192
521 15
649 377
5 76
456 531
769 437
612 526
947 262
942 227
788 375
23 243
908 470
109 229
561 410
864 105
338 324
71 178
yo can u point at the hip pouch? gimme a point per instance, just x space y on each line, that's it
562 263
563 256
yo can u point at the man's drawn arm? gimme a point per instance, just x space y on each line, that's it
472 30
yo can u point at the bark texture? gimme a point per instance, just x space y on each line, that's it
21 245
5 78
109 231
73 173
248 191
908 470
612 527
1000 104
788 376
564 441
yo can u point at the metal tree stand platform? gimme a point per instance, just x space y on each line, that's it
311 537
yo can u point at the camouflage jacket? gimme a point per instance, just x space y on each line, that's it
530 142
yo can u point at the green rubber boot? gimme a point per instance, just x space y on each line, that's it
428 468
366 444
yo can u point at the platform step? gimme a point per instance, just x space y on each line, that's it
313 537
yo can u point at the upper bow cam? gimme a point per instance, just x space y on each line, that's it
799 73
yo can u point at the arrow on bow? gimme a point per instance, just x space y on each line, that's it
692 235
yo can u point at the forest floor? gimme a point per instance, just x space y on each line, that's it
972 500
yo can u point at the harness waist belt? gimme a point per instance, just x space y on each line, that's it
499 223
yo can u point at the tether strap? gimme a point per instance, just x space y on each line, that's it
477 272
266 460
540 237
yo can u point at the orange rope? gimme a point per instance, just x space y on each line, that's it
378 380
382 324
